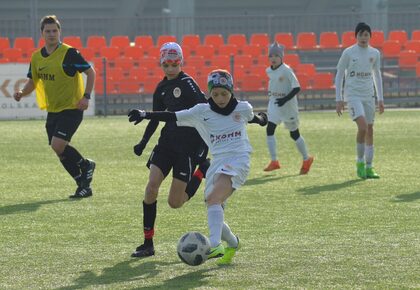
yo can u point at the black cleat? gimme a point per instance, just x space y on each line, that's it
82 192
143 251
204 166
87 173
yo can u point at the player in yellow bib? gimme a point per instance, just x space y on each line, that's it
55 74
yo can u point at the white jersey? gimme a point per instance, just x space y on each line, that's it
223 135
361 68
281 82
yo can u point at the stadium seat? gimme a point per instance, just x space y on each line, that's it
26 44
221 61
306 41
286 39
164 39
41 42
412 45
391 49
253 50
145 41
347 39
237 39
4 43
110 53
214 39
250 83
291 59
259 70
120 41
244 59
150 84
261 39
415 34
73 41
98 64
149 62
139 73
99 86
204 50
418 70
197 61
227 49
153 51
308 69
398 35
135 52
263 60
323 81
377 39
191 40
329 40
190 70
304 81
187 51
407 59
87 53
126 63
115 73
12 54
157 72
96 42
129 86
238 71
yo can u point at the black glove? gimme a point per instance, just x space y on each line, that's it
263 118
136 116
280 101
138 148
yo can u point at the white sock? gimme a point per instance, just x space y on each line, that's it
272 147
369 155
301 146
215 216
228 236
360 147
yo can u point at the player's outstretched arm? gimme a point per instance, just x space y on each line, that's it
137 116
260 118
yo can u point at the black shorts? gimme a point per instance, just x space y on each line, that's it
181 164
63 124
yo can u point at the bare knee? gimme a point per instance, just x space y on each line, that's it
177 200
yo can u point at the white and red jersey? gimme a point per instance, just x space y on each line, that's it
361 68
281 82
224 135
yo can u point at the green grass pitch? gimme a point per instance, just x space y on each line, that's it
326 230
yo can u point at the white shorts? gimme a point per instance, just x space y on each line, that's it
290 118
362 107
236 166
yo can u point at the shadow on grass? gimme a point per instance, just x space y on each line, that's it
132 270
328 187
27 207
407 197
267 178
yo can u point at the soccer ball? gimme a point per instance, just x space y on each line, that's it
193 248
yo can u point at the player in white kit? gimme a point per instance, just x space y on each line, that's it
283 107
221 123
360 66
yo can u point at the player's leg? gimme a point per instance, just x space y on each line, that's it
357 114
369 107
197 177
232 245
272 147
300 143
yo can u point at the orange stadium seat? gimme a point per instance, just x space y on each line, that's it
164 39
221 61
120 41
292 59
253 50
261 39
191 40
12 54
129 85
187 51
214 39
308 69
144 41
126 63
238 39
41 42
259 70
149 62
4 43
407 59
285 38
150 84
263 60
412 45
26 44
110 52
348 39
418 70
73 41
244 59
306 41
415 34
197 61
329 40
251 83
96 42
377 39
238 71
227 49
99 86
115 73
87 53
135 52
204 50
323 81
304 81
391 49
398 35
153 51
139 73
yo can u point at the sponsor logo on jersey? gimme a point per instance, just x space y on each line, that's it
225 137
177 92
46 77
276 94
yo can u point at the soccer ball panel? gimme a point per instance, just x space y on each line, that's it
193 248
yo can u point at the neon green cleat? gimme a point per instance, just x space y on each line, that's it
216 252
371 173
229 254
361 170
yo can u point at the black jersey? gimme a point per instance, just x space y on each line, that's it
175 95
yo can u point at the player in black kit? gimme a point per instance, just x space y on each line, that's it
179 148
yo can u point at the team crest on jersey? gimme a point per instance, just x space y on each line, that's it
236 117
281 78
371 59
177 92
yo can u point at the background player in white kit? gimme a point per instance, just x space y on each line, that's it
360 64
221 123
283 107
